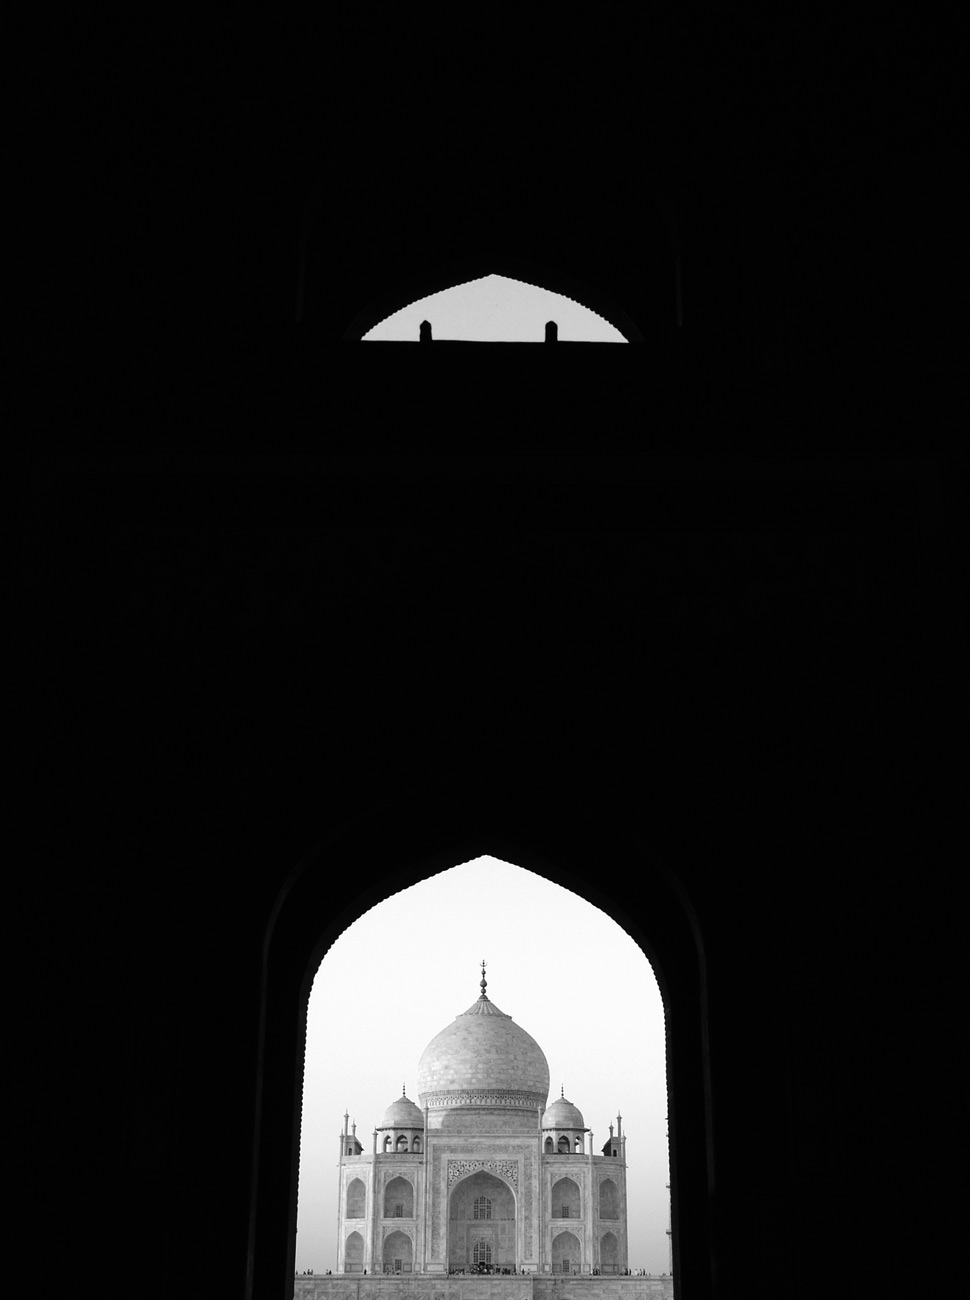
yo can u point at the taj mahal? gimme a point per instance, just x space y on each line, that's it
480 1175
481 1183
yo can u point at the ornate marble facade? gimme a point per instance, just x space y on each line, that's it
482 1175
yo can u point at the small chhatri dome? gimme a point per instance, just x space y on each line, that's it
402 1114
563 1114
483 1054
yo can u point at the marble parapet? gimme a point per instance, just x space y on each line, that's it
437 1286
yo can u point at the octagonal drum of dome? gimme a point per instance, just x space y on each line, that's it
483 1062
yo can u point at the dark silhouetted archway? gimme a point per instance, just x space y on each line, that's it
402 844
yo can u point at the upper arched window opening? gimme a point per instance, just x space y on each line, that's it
495 309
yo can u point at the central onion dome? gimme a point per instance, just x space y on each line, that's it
483 1058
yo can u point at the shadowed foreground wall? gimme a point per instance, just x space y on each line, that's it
297 623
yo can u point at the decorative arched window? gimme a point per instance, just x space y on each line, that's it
549 1147
566 1253
398 1253
565 1201
609 1200
402 1143
564 1146
483 1207
399 1199
387 1143
416 1144
482 1253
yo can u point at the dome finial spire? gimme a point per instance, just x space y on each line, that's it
483 981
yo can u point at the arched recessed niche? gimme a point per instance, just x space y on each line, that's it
356 1199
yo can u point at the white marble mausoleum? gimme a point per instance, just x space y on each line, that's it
481 1175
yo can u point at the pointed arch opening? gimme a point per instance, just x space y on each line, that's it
354 1253
428 970
399 1199
398 1253
566 1202
654 268
497 266
567 1253
673 933
609 1253
481 1223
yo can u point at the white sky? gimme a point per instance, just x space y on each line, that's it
496 309
562 969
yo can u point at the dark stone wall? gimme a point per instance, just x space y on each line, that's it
283 609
